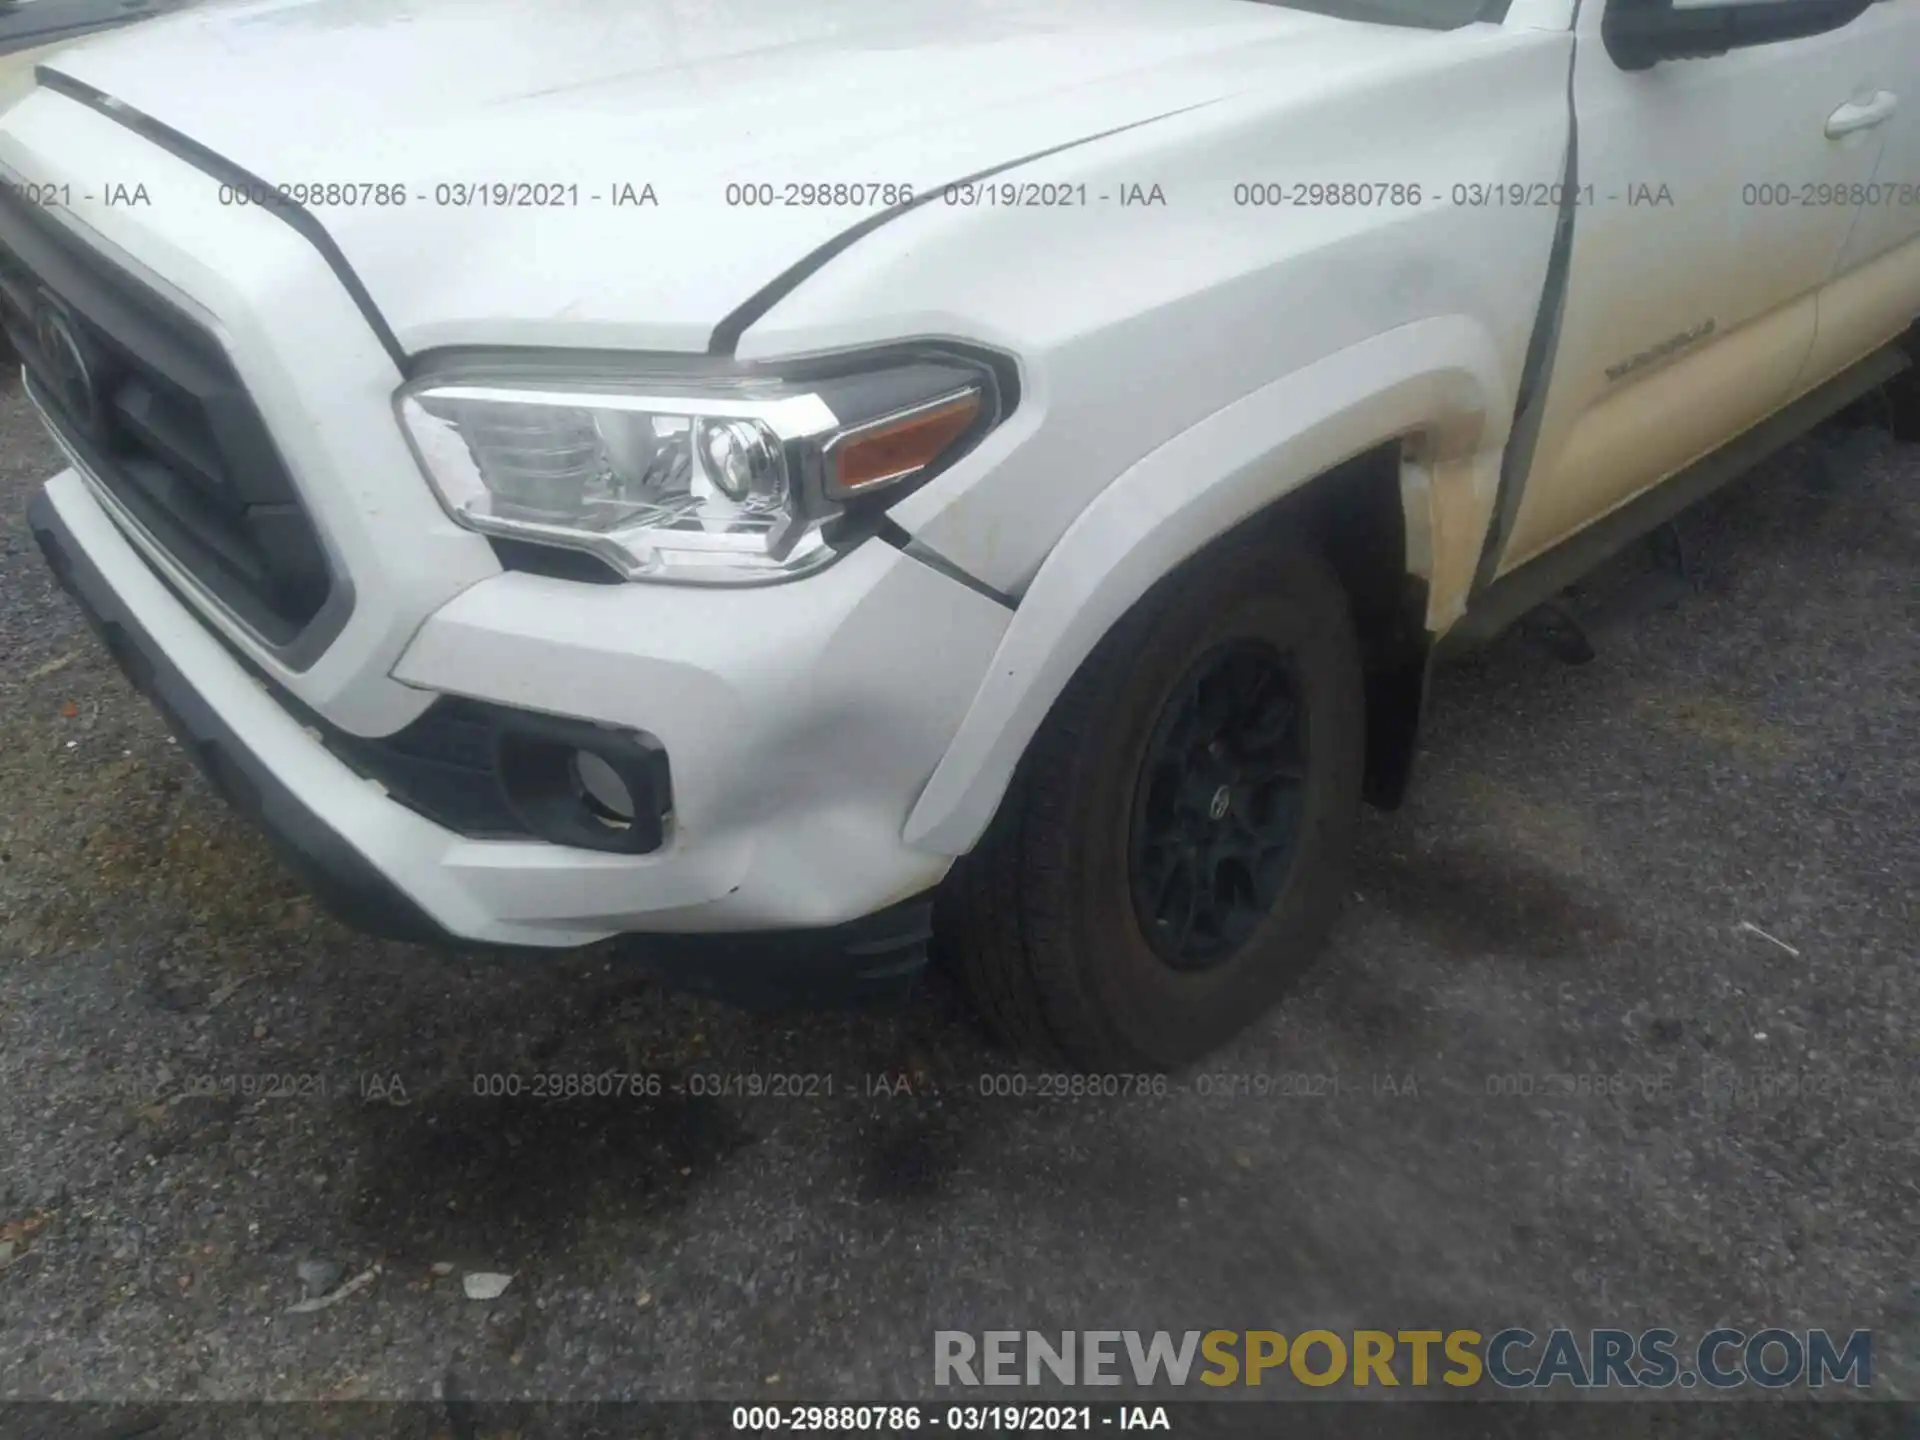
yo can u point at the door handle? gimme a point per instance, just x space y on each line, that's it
1862 114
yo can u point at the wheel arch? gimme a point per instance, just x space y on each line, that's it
1388 451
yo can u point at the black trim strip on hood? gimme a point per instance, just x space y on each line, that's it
228 173
726 335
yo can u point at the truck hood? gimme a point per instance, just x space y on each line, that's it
660 104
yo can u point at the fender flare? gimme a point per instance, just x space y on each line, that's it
1440 379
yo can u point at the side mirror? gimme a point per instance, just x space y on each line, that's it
1641 33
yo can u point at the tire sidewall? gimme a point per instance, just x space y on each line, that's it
1167 1016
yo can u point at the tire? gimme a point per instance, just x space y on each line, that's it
1055 925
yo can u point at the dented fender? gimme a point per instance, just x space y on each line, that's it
1436 384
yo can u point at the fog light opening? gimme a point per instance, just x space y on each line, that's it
600 790
574 783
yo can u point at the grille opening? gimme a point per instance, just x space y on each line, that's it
147 401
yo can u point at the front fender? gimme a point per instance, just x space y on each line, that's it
1437 382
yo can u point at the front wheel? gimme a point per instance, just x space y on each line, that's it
1172 851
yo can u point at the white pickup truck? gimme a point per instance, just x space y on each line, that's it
791 479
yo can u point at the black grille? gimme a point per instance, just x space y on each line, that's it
149 402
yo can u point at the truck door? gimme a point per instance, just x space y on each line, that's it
1875 292
1713 204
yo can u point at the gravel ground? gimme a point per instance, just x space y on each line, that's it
1568 894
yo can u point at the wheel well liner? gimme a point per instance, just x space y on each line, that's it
1354 514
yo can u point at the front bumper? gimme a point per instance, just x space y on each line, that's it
338 874
800 721
785 856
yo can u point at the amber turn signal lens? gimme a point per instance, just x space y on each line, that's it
893 448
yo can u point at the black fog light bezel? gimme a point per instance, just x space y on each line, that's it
533 763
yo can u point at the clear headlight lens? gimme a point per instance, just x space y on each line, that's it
727 480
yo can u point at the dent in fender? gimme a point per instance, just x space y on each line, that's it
1439 379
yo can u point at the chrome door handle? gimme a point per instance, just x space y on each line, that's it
1862 114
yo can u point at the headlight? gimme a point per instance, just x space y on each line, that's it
723 479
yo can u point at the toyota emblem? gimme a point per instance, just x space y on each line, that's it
66 362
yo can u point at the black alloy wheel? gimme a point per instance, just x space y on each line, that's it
1173 848
1216 817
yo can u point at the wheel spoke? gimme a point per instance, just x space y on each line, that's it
1186 897
1286 769
1218 803
1272 815
1216 702
1164 795
1232 876
1265 725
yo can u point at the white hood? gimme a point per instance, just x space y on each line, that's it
684 96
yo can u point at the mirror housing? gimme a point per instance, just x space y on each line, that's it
1639 34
